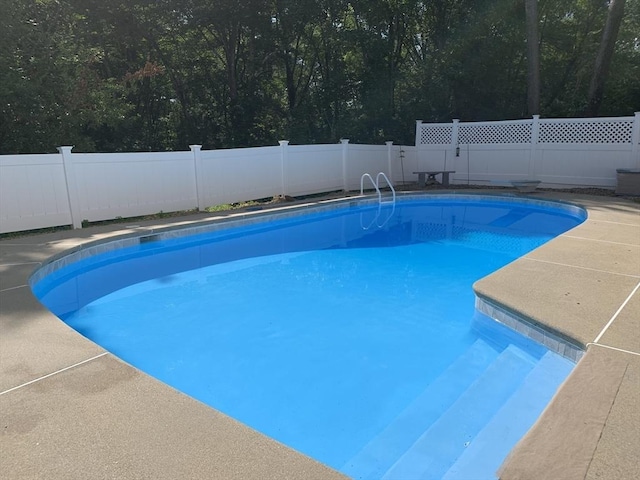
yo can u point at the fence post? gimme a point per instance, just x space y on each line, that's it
196 150
418 143
635 140
345 154
454 149
455 133
389 144
72 186
284 158
533 152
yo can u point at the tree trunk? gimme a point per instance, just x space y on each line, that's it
533 57
605 53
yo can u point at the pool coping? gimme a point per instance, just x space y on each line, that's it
31 380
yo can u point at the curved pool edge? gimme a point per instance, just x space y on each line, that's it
249 218
40 437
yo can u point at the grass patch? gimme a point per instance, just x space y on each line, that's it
236 206
142 218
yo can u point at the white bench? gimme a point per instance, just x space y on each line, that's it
432 176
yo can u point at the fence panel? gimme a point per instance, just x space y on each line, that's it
111 185
581 165
492 152
486 164
435 144
33 192
366 159
435 134
495 133
605 131
240 174
313 169
434 158
405 162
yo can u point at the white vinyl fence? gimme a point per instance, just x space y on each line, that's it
40 191
583 152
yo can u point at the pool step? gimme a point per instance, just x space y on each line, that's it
382 451
440 445
487 450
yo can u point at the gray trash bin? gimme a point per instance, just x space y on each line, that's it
628 182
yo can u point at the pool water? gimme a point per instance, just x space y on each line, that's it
349 335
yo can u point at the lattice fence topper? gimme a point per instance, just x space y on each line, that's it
495 133
435 134
586 131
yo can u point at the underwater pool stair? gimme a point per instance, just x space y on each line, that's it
467 420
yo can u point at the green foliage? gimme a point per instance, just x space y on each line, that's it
135 75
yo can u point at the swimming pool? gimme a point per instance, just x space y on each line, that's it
348 334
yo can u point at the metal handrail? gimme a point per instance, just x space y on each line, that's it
377 186
393 190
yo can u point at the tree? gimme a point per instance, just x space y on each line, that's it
162 74
533 57
45 82
605 53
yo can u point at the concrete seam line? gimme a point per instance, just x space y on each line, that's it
613 348
593 454
19 263
599 240
24 244
615 315
583 268
617 223
54 373
13 288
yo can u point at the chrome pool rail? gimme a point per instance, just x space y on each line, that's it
376 185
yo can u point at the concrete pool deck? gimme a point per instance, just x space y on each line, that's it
69 409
